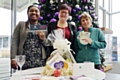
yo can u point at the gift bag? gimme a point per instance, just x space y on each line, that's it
61 44
57 63
61 60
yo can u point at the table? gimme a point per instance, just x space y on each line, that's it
35 72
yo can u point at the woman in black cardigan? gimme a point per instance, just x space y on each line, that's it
68 29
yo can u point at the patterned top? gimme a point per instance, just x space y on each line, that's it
33 50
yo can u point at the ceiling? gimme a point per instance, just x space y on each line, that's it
20 4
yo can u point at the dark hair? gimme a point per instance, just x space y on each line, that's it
65 7
32 6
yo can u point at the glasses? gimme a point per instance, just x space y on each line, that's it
20 59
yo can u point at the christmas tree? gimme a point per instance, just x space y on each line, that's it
49 10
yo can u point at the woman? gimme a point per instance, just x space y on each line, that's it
68 29
89 52
26 40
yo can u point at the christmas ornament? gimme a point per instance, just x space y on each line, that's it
86 7
93 6
96 18
90 8
77 6
43 1
70 18
61 0
80 28
39 7
93 15
74 10
84 1
41 18
51 1
79 17
56 14
53 20
48 15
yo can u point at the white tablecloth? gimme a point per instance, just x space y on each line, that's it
35 72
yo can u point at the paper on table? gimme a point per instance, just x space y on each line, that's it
37 70
86 69
50 78
31 77
85 78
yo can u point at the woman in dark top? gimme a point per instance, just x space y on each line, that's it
68 29
28 41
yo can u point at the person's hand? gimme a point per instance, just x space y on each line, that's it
89 40
41 35
14 64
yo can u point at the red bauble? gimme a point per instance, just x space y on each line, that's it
57 73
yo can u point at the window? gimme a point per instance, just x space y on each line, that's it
100 20
106 5
5 33
116 24
5 29
101 3
115 5
23 14
94 2
0 43
4 42
115 28
107 21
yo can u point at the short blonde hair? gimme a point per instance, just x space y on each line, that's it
85 15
